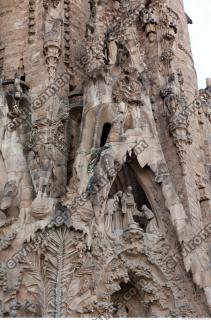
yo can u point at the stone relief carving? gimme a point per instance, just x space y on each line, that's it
128 208
124 222
17 176
202 184
172 24
112 49
67 32
7 240
150 22
117 126
32 22
53 32
174 106
152 226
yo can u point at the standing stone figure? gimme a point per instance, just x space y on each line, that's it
118 216
112 49
128 208
117 128
112 206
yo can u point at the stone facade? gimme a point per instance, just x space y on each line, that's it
105 161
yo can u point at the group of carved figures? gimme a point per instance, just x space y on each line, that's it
120 211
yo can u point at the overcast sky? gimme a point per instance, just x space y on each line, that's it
200 32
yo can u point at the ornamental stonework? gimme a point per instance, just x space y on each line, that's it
105 162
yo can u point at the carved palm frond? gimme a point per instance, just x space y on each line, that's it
34 281
58 270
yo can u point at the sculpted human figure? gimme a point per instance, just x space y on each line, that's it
152 226
171 96
170 103
128 207
118 216
48 174
114 215
117 128
15 113
14 164
112 49
111 208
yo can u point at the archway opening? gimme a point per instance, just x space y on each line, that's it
125 178
127 302
105 133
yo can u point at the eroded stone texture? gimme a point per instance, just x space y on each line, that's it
105 162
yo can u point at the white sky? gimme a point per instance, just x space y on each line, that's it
200 32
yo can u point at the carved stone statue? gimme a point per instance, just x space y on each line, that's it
89 112
118 215
117 128
112 49
128 208
171 102
113 214
152 226
111 209
172 95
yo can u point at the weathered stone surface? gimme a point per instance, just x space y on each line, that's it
105 162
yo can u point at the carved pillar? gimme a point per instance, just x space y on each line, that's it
52 53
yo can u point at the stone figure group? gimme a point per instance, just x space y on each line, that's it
120 211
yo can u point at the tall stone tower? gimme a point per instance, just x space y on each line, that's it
105 161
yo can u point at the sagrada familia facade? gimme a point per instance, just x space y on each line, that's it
105 161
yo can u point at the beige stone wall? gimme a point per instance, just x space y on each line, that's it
122 223
13 34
